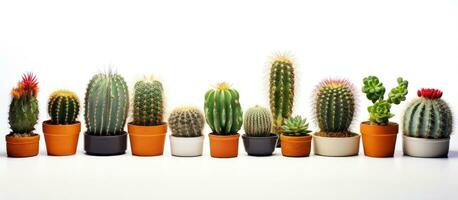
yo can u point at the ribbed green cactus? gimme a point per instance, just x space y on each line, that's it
148 103
106 104
186 122
63 107
257 122
281 90
23 112
222 110
428 116
334 106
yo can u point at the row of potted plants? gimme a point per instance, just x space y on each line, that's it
427 122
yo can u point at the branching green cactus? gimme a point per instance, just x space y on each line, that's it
257 122
380 111
106 104
63 107
23 112
222 110
148 103
295 126
186 122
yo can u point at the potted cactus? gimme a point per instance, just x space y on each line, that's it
62 130
23 116
223 114
258 138
334 108
296 138
427 125
281 91
379 134
147 130
187 124
106 108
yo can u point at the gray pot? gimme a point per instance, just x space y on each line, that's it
105 145
425 148
260 146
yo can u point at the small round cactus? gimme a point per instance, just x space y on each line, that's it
428 116
148 103
257 122
63 107
186 122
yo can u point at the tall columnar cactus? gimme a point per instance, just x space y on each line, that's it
334 106
106 104
148 103
63 107
428 116
257 122
186 122
281 90
23 113
222 110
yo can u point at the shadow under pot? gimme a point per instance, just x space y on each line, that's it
295 146
224 146
425 148
147 140
61 140
260 146
379 140
186 146
336 146
105 145
20 147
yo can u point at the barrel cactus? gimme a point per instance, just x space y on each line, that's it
222 110
295 126
257 122
186 122
334 105
63 107
106 104
23 112
148 103
428 116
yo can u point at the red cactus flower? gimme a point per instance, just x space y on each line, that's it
27 87
429 93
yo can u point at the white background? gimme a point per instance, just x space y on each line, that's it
190 46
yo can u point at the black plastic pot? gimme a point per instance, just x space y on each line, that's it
260 146
105 145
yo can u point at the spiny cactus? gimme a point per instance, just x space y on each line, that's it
281 90
23 112
148 103
295 126
106 104
63 107
428 116
257 122
222 110
334 106
186 122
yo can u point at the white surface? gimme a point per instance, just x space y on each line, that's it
193 44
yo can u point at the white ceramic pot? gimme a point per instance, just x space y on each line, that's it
336 146
186 146
425 148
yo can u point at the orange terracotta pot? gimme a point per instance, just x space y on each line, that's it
61 140
22 146
147 140
379 141
224 146
295 146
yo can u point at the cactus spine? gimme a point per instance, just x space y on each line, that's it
106 104
186 122
23 112
222 110
63 107
257 122
148 103
334 107
428 116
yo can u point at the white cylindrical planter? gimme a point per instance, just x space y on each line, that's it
186 146
336 146
425 148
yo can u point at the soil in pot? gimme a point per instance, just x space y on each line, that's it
260 146
336 144
378 140
22 146
105 145
425 148
147 140
296 146
224 146
186 146
61 140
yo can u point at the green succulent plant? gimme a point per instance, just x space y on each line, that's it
295 126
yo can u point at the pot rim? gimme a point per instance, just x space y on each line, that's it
425 140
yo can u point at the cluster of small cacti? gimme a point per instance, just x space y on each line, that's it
148 108
63 107
257 122
106 104
23 112
428 116
222 110
186 122
295 126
